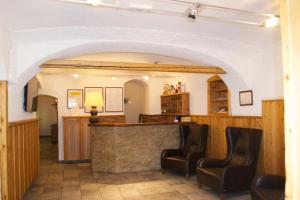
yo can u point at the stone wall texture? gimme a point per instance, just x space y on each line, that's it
131 148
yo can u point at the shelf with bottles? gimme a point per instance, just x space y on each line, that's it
175 104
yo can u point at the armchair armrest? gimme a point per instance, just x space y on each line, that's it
211 163
171 152
270 181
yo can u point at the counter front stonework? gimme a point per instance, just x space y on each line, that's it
131 147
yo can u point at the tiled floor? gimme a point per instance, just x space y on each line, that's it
78 182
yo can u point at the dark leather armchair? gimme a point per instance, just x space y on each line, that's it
268 187
237 170
193 140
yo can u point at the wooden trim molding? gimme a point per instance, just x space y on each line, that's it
3 139
75 64
290 34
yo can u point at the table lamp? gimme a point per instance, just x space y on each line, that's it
94 100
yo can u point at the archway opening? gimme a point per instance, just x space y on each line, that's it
47 114
134 100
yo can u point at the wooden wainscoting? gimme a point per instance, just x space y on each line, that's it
272 123
23 156
216 144
77 136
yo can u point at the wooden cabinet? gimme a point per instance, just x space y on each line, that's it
218 96
77 136
175 104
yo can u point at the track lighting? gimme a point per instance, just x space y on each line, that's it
192 12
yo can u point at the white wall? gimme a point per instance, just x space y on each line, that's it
3 54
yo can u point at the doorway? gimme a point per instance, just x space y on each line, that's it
47 114
134 100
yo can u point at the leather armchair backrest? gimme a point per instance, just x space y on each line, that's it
243 145
196 139
241 153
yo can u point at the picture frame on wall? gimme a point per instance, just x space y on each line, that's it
114 99
74 98
87 109
246 98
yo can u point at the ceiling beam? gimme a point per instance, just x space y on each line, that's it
80 64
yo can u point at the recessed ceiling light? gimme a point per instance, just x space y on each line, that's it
272 22
113 78
94 2
146 77
76 75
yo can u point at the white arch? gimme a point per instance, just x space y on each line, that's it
31 48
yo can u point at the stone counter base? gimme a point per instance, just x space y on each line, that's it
131 148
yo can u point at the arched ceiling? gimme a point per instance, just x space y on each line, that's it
19 15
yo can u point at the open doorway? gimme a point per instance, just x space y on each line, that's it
134 97
47 115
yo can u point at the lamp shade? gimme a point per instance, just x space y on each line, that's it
93 99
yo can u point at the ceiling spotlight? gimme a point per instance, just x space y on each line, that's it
146 77
94 3
192 12
272 22
76 75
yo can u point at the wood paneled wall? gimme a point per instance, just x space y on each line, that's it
216 146
272 123
22 156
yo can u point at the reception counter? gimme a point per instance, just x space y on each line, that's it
121 147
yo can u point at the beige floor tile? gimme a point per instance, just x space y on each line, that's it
58 181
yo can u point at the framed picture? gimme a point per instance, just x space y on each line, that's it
114 99
87 109
74 98
246 98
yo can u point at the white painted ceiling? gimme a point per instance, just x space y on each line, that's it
19 15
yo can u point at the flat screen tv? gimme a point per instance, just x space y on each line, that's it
30 95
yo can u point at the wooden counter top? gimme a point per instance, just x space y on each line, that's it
139 124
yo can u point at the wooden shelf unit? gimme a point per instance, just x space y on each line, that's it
218 96
175 104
